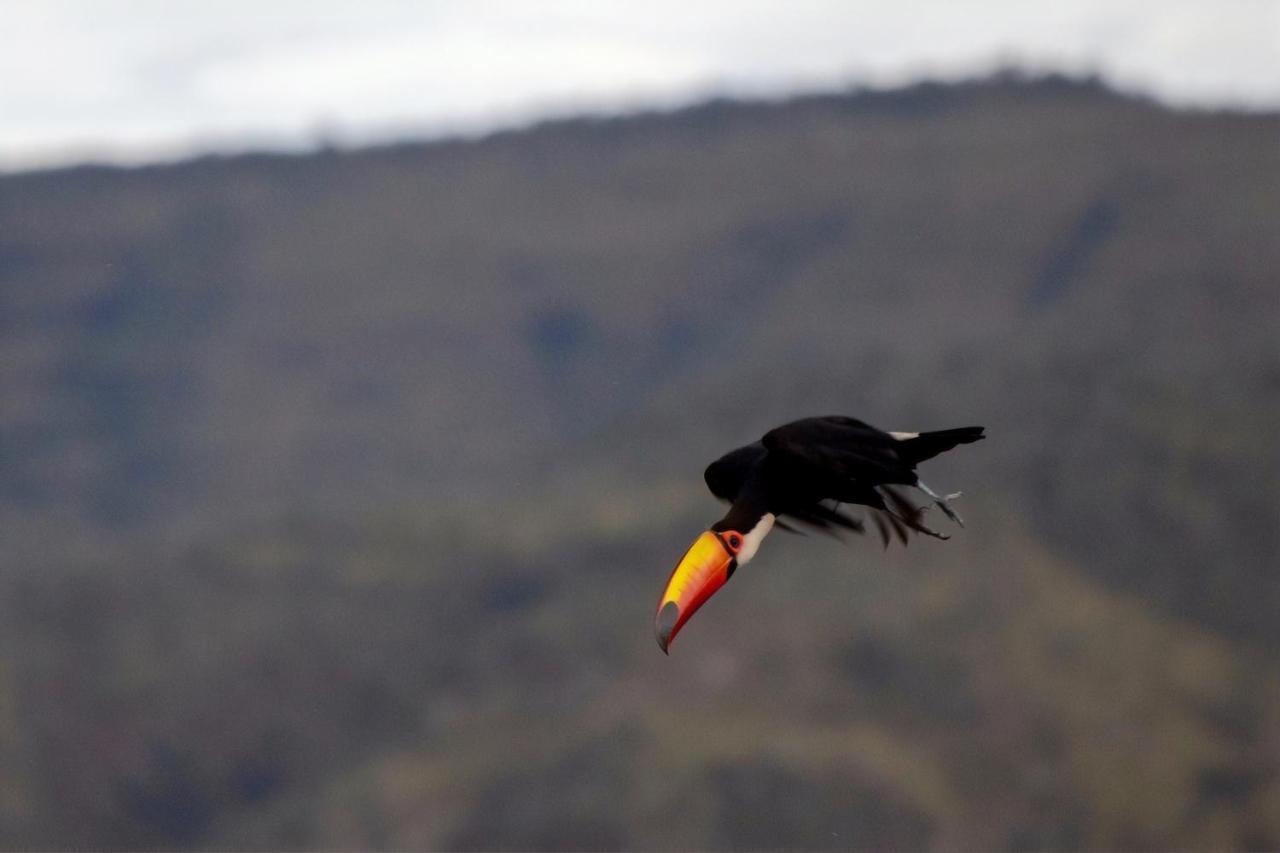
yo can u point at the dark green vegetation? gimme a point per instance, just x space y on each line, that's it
337 491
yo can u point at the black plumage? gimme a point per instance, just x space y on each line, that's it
803 471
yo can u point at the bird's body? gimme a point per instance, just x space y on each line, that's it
801 472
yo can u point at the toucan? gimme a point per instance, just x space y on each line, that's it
802 472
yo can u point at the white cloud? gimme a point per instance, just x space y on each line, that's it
133 79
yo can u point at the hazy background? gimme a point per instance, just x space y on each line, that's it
338 483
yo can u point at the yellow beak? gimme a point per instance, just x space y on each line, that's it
704 569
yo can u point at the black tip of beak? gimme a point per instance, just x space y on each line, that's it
665 624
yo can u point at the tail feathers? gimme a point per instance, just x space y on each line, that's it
929 444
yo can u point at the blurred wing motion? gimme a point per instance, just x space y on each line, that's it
797 477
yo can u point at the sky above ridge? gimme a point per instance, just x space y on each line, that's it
142 80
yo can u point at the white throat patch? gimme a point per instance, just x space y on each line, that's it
751 539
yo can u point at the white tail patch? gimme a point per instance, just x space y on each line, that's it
904 436
752 538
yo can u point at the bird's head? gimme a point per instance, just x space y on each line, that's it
708 564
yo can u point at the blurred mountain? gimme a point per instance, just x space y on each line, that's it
337 490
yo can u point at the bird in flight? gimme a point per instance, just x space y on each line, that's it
802 472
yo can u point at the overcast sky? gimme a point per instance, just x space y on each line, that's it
137 80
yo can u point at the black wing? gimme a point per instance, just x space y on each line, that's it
840 456
727 475
844 459
819 463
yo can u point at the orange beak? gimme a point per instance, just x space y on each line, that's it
704 569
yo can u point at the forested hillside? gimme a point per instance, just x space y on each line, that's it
337 490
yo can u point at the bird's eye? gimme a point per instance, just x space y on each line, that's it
734 540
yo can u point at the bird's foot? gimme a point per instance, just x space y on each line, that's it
942 501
